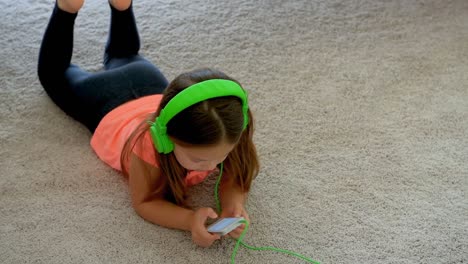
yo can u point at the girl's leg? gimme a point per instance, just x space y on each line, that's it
89 97
128 75
123 42
54 69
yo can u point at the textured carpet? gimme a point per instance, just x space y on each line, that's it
362 130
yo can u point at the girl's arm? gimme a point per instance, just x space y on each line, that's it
157 210
230 192
233 201
142 178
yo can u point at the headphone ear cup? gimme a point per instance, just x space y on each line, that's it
161 140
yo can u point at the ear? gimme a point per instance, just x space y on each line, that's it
161 140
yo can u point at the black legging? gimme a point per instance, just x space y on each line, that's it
88 97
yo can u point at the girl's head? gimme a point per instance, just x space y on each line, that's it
204 135
201 158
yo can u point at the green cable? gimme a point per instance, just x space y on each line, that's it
240 242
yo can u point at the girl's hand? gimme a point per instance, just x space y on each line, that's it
200 235
235 210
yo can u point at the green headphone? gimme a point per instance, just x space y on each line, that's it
191 95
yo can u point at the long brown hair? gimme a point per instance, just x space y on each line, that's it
206 123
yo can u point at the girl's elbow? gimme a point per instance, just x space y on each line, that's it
138 208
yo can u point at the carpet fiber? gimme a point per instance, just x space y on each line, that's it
361 109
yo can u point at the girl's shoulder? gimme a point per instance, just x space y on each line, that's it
144 149
115 128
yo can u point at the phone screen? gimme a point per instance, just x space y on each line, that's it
219 226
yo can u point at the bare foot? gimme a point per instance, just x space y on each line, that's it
70 6
120 5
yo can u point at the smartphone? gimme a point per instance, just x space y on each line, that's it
225 225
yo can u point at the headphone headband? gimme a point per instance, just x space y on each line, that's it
189 96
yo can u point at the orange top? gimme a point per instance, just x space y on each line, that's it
117 126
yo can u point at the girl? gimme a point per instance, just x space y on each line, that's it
121 107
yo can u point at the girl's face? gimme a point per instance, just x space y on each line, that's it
202 158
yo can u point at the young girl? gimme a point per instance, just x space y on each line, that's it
123 107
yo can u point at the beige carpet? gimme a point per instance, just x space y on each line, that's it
362 129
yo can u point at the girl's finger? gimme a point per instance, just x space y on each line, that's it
233 234
237 232
240 228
